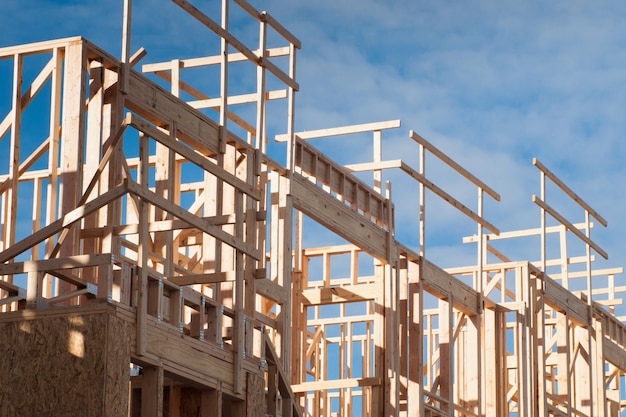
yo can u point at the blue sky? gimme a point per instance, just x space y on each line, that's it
492 83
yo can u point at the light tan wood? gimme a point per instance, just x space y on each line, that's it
343 294
346 130
238 99
567 190
211 60
569 226
206 254
333 214
211 24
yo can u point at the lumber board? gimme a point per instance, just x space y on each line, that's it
211 60
271 290
198 95
70 262
155 226
11 198
567 190
342 182
153 103
564 301
344 130
210 278
189 354
344 294
339 218
38 47
237 99
593 273
137 56
63 222
197 222
194 157
336 384
523 232
284 387
6 124
228 37
265 17
41 79
569 226
398 163
440 283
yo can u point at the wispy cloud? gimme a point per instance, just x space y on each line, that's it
492 83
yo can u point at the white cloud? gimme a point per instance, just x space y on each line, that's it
492 83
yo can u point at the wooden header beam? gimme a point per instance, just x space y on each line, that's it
344 130
521 233
211 60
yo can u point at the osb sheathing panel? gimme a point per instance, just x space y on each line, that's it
61 366
255 400
117 370
191 402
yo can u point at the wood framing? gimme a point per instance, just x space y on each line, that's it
156 259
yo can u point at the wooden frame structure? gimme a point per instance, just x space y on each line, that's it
155 261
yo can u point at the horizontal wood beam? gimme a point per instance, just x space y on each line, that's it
344 130
38 47
336 384
343 294
70 262
153 103
330 250
228 37
188 353
594 273
211 60
265 17
238 99
510 234
156 226
197 94
210 278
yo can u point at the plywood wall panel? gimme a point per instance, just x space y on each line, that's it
60 366
256 403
